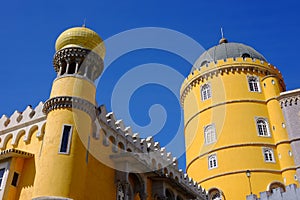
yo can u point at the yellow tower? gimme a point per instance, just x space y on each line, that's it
62 168
236 141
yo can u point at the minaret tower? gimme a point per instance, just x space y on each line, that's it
236 140
70 111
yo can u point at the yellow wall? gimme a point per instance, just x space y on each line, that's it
233 109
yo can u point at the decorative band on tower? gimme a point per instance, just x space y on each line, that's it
71 103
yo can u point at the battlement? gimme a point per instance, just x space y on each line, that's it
291 193
146 150
22 124
226 66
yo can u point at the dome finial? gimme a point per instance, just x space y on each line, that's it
84 21
222 40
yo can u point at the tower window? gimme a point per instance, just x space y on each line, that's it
245 55
205 92
253 83
268 155
65 139
2 172
212 162
15 179
210 134
263 127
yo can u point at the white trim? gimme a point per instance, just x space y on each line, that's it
209 90
69 139
267 126
264 149
214 139
216 160
257 82
4 165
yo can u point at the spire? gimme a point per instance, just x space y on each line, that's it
222 40
84 21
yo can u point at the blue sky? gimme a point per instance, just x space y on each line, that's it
29 30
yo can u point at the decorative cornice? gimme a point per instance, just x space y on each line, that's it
225 66
289 98
15 153
69 102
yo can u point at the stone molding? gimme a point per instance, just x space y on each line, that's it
230 65
289 98
69 102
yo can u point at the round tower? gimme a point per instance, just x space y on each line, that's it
70 111
235 141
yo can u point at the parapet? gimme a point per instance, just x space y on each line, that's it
291 193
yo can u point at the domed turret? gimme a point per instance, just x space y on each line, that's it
227 50
79 51
81 37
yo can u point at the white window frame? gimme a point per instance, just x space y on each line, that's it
5 166
265 130
210 135
214 159
256 84
69 139
270 157
205 94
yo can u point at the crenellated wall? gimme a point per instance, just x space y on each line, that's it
22 124
291 193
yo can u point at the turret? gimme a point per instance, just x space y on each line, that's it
233 123
70 111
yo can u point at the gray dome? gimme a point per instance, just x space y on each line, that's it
227 50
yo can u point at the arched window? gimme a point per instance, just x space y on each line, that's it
215 194
253 84
268 155
262 127
276 185
210 134
212 162
205 92
169 195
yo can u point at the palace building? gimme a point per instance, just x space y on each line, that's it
70 148
241 132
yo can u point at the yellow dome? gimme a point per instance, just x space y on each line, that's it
81 37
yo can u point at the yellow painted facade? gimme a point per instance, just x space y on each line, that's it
233 110
68 148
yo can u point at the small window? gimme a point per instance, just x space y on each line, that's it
268 155
65 139
295 177
205 92
253 83
245 55
290 153
2 172
203 63
263 127
210 134
212 162
15 179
